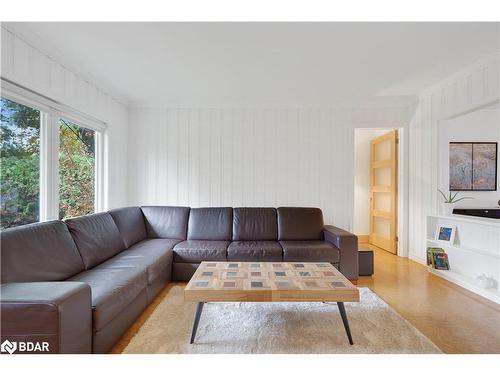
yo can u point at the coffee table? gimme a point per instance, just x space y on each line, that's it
269 282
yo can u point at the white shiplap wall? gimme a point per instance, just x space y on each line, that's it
467 90
250 156
28 67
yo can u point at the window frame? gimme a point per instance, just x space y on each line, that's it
50 114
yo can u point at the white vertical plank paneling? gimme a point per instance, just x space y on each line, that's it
193 158
171 144
246 157
227 158
163 156
215 157
183 157
204 162
7 61
260 158
21 60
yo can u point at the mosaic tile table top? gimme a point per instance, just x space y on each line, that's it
269 282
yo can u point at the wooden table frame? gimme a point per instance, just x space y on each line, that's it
269 282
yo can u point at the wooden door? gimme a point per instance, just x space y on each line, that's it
383 191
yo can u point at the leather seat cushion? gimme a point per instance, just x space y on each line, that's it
195 251
154 255
114 287
309 251
265 251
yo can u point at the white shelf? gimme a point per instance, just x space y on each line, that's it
478 251
470 219
467 283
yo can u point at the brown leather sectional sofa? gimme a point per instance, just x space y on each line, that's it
79 284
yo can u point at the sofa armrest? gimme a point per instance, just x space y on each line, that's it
58 314
347 243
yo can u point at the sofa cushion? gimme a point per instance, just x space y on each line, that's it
38 252
96 236
263 251
114 287
210 224
166 221
194 251
155 255
300 223
255 224
309 251
130 223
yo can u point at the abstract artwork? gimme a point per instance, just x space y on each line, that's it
460 166
473 166
484 166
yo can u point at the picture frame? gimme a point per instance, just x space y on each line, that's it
473 166
446 234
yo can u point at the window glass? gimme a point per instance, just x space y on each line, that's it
76 169
20 164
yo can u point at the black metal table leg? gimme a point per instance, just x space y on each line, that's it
344 320
199 309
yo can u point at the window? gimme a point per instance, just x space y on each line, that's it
51 160
20 164
76 169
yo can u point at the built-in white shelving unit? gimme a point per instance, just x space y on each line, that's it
475 251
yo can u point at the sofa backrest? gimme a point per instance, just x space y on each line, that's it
130 223
300 223
38 252
166 221
255 224
213 223
96 236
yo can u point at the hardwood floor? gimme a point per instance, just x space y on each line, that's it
456 320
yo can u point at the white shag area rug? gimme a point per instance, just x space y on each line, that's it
299 327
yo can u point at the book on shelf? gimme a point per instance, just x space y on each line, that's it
441 261
430 254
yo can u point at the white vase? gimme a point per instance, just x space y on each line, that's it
447 209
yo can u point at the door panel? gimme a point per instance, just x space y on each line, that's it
383 191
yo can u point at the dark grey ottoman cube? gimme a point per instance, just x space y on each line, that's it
365 259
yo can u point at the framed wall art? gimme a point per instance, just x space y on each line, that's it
473 166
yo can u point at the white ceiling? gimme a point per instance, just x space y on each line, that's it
261 63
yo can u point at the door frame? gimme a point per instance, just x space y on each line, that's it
402 176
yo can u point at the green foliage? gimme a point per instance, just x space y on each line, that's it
452 198
76 170
20 166
19 190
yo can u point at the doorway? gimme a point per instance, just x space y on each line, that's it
376 175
